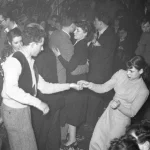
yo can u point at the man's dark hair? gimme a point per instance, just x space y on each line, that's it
16 32
32 34
58 18
104 17
67 21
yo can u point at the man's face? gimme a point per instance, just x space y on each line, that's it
122 34
72 28
37 47
52 21
2 21
97 24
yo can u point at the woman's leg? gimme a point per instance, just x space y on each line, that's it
72 135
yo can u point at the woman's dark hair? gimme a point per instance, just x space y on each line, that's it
138 62
84 25
124 143
13 33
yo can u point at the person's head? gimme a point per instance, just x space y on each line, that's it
15 39
122 32
43 24
137 67
101 20
68 24
6 19
145 25
141 133
58 25
33 38
52 20
123 143
82 30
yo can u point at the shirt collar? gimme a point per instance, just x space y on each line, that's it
77 41
66 33
28 57
103 30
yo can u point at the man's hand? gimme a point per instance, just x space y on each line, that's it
44 108
76 86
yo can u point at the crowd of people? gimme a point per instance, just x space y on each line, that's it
90 70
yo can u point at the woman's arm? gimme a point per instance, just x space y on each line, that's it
102 88
98 88
136 105
79 54
72 64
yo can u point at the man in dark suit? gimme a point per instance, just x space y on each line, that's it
101 52
61 39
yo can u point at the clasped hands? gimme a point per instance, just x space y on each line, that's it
81 84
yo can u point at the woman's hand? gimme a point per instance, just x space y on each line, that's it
56 51
85 84
115 104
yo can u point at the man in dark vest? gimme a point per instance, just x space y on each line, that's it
21 81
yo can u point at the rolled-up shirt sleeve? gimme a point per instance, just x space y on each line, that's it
12 70
49 88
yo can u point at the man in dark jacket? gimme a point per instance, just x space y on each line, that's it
101 54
